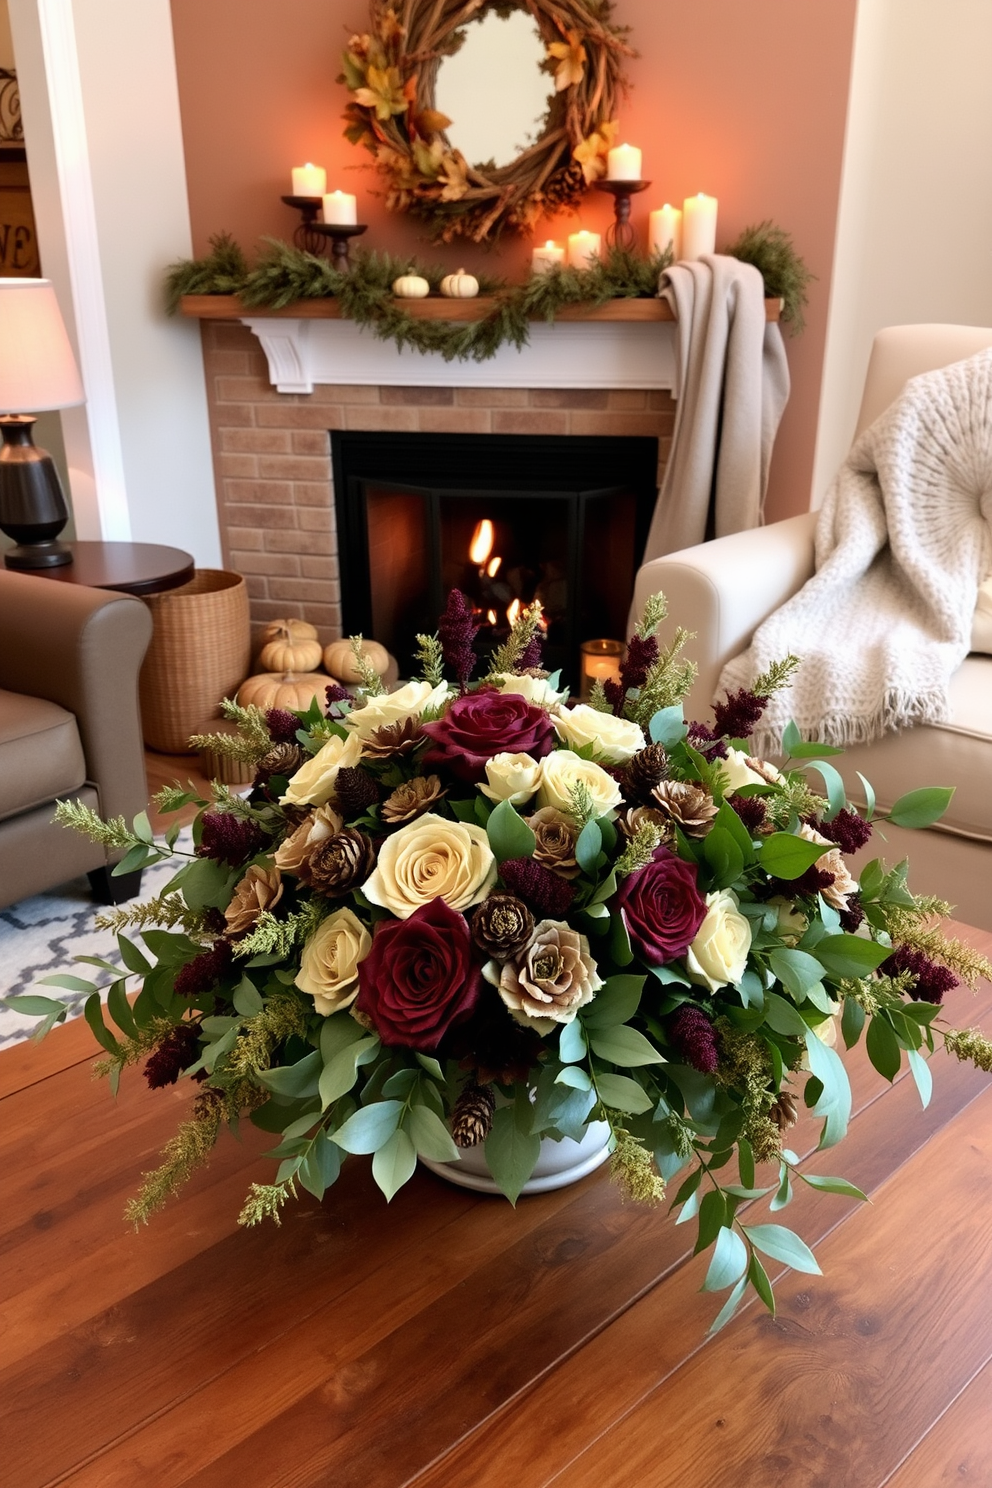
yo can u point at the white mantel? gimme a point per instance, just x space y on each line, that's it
302 353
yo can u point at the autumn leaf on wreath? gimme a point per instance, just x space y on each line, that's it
431 121
592 152
383 92
572 61
353 66
428 158
390 30
454 174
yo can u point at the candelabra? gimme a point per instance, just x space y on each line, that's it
620 234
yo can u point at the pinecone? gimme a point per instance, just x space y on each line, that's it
412 799
393 738
282 759
691 806
472 1116
342 863
784 1112
647 768
565 186
356 791
501 926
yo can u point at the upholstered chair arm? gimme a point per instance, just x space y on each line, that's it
723 589
82 648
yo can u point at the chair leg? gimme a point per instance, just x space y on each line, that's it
109 890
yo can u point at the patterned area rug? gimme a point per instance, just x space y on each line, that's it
39 937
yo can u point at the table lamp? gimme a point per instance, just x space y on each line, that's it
37 371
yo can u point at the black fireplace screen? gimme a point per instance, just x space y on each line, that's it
505 518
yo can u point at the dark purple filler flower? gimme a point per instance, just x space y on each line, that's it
530 660
230 839
750 809
282 725
480 724
204 971
737 716
932 979
175 1052
420 977
691 1035
545 893
662 907
457 631
849 830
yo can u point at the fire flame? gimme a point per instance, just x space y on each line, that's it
491 616
513 611
482 542
493 566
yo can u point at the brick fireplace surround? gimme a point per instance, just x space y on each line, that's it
273 466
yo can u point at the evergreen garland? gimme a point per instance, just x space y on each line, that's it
284 275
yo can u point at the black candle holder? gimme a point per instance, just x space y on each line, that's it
620 234
339 233
304 237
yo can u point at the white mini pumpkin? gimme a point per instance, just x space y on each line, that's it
411 287
339 659
460 286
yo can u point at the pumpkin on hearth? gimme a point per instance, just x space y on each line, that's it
339 659
293 690
411 287
460 286
290 646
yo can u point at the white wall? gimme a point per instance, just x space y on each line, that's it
914 234
101 112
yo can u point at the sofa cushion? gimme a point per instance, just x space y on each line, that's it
41 756
958 753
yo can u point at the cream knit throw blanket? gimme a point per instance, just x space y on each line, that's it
902 543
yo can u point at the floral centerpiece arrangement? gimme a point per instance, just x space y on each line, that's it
469 913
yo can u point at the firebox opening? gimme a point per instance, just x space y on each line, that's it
505 518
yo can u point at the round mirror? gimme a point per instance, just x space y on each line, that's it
493 89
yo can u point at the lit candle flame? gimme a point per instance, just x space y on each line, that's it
491 616
482 542
494 566
513 611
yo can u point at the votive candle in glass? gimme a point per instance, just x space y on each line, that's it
600 663
547 256
309 180
341 209
623 163
698 226
583 247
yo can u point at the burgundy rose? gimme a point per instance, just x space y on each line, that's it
661 907
420 977
481 724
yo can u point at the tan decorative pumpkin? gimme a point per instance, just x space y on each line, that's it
339 659
285 651
411 287
299 630
295 690
460 286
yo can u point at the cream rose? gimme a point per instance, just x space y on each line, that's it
329 964
718 955
511 777
536 690
561 769
313 784
615 740
409 701
738 771
432 859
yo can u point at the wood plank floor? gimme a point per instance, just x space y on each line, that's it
454 1341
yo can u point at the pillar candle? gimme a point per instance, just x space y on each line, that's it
623 163
698 226
665 231
309 180
544 258
600 663
341 209
582 248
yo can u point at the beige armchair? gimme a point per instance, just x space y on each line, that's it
724 589
69 726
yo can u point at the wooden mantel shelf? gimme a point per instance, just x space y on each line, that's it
229 307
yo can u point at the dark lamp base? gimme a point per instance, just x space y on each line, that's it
32 506
37 555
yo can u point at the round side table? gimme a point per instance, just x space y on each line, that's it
134 568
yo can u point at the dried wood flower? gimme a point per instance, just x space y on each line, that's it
691 806
556 838
260 889
341 863
390 739
502 925
412 799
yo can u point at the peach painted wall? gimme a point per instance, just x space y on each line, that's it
744 99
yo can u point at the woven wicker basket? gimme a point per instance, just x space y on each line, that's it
200 653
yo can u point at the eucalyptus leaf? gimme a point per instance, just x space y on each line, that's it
572 1075
834 1186
883 1047
429 1135
624 1046
729 1261
783 1245
920 1070
921 808
369 1128
784 855
298 1080
616 1002
394 1163
588 846
623 1094
510 1153
572 1043
509 835
667 726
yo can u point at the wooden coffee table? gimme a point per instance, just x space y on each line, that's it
452 1342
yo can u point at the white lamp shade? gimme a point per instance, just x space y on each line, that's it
37 367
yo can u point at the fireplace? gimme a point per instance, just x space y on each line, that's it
505 518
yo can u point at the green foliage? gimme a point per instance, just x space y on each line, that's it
113 834
771 250
431 659
188 1150
223 271
265 1200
